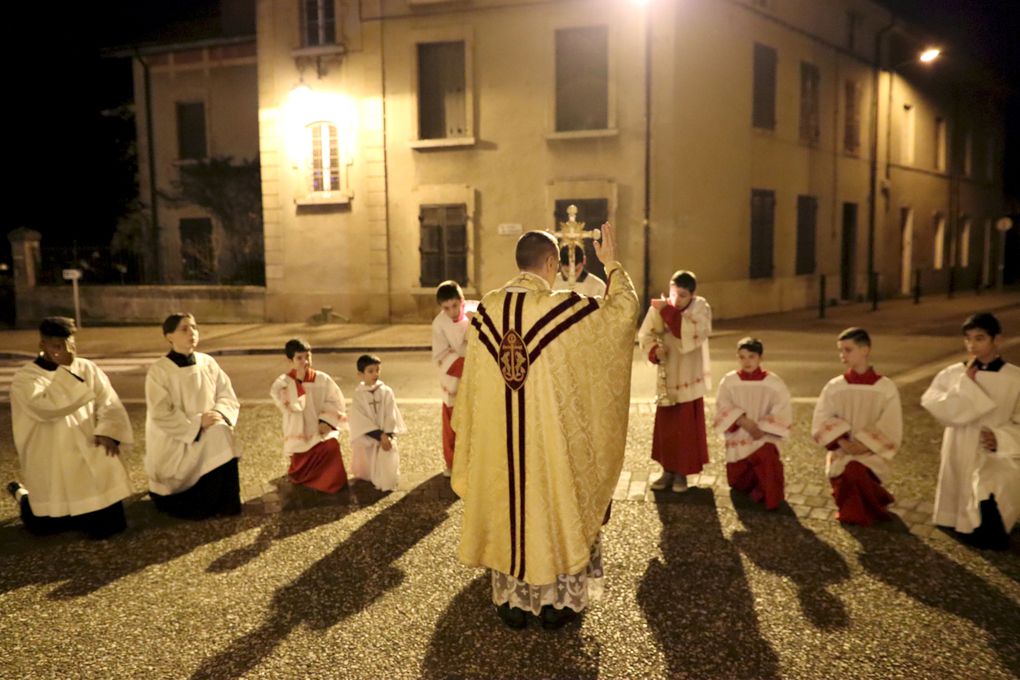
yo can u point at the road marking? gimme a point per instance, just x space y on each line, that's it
109 366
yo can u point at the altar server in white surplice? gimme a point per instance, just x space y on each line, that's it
190 452
69 426
978 401
375 421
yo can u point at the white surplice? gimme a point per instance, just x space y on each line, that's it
870 414
56 417
449 343
969 473
375 408
176 397
766 402
320 400
688 369
587 284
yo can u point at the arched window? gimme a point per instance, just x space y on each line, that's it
325 157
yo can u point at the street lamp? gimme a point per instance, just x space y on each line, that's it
930 55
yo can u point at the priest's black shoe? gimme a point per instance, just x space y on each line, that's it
553 618
13 488
512 616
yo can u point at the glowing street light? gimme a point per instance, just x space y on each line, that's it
930 55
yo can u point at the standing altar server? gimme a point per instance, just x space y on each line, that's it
69 425
978 401
190 452
449 345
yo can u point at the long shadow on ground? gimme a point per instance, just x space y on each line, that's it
915 569
696 598
812 564
359 571
469 641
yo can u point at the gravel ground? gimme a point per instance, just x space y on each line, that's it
372 588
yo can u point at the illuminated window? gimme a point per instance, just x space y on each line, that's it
964 247
582 78
318 22
939 238
907 132
325 157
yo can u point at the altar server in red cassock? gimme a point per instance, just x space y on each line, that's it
859 421
675 333
312 406
753 415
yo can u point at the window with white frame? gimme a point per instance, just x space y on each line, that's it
318 22
324 170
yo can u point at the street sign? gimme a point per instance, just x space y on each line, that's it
72 274
1004 224
510 229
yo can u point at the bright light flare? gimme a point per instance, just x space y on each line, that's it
930 55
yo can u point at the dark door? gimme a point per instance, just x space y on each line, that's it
594 212
848 252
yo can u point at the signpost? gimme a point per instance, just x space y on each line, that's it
73 275
1002 225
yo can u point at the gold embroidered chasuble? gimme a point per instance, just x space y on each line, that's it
541 423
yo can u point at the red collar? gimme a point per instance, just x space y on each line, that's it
869 377
758 374
309 376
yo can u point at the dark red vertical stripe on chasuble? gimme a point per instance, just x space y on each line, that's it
485 339
509 401
518 326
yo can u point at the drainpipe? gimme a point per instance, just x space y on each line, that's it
647 221
150 257
873 164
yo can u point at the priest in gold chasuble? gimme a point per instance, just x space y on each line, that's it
541 423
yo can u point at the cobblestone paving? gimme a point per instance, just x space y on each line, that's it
363 584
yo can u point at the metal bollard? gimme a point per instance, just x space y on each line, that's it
917 286
821 296
874 291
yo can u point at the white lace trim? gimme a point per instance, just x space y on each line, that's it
576 591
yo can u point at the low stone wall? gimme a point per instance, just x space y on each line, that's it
143 304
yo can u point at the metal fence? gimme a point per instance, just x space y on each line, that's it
99 264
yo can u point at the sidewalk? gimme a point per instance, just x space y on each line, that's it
936 315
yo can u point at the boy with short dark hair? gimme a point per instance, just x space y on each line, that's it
859 421
191 410
753 415
978 401
585 282
312 407
675 333
69 426
449 346
374 421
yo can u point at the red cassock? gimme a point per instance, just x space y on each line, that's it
320 467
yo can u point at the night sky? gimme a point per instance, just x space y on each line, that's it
71 179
